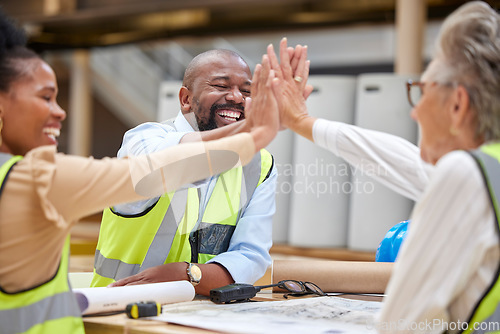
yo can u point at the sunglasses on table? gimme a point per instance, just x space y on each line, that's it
299 288
296 288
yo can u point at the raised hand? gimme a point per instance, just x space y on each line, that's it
261 110
290 85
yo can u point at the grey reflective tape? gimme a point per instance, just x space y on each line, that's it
158 250
21 319
113 268
203 191
4 157
160 247
202 204
162 242
249 182
215 238
488 323
492 169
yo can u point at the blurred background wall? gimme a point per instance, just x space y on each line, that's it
119 63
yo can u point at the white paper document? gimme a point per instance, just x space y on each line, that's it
308 315
103 300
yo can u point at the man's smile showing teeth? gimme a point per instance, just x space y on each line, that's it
52 132
229 115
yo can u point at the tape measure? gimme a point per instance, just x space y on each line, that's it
143 309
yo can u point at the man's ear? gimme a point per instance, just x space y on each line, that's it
185 99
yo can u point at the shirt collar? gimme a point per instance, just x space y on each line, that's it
181 123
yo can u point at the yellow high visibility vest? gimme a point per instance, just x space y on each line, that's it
486 315
174 229
46 309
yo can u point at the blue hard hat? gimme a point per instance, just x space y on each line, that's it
389 247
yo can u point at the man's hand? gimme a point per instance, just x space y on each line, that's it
214 276
165 273
261 110
290 87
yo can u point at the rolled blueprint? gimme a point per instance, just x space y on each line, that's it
104 300
335 276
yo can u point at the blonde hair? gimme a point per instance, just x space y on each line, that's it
469 47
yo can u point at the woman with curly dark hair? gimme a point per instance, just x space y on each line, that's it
44 193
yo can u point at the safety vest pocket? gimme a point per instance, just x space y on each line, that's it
214 238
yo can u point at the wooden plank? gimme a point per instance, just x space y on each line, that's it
340 254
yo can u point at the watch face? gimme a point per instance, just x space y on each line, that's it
195 272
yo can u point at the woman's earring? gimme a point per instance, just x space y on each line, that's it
453 131
1 126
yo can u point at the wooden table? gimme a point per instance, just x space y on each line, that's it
121 324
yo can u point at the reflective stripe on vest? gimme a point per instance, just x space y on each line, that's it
212 238
116 269
486 315
48 308
4 157
108 268
21 320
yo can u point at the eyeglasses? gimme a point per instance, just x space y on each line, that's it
297 288
415 91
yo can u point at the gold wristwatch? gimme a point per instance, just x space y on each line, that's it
194 273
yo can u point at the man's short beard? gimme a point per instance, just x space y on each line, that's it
204 125
209 124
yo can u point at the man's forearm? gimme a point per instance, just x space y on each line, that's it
214 276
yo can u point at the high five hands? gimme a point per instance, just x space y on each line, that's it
279 93
290 87
290 84
278 100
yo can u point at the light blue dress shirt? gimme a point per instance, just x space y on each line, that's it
247 257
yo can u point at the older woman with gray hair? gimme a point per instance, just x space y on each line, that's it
447 274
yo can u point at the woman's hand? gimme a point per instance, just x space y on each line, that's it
290 87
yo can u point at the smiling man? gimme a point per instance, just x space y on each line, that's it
214 233
215 86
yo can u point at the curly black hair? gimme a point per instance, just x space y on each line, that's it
12 50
